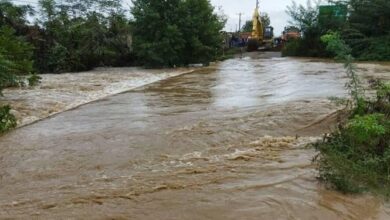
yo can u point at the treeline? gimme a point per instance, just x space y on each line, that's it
77 35
365 28
72 36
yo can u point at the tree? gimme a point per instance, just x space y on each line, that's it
80 35
370 17
265 19
306 19
14 16
175 32
201 29
15 52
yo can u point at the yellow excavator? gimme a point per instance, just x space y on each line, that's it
260 36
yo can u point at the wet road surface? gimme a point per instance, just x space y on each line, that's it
227 142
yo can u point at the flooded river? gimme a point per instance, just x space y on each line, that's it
227 142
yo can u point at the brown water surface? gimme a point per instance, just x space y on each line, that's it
227 142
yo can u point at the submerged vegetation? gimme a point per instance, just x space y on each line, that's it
356 157
7 120
363 25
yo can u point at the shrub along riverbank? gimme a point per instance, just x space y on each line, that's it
356 157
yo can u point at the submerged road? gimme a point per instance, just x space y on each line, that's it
226 142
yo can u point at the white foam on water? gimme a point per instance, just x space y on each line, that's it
62 92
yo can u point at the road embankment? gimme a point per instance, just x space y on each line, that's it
62 92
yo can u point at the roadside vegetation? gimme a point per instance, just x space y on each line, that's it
177 33
363 25
356 157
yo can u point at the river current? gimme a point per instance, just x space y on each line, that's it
225 142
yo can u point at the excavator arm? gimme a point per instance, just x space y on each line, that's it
257 34
260 36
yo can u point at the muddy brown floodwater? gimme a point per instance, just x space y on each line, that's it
228 142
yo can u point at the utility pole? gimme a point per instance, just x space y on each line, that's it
239 21
257 3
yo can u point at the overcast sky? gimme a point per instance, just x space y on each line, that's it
275 8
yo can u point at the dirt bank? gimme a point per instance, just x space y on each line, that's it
61 92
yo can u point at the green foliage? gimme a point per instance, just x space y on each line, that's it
16 50
303 17
371 18
299 47
366 128
370 21
15 56
174 32
34 80
265 20
366 31
81 35
293 48
338 47
14 16
377 48
7 120
356 157
306 19
383 92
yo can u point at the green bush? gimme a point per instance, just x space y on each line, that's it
292 48
305 47
7 120
356 157
365 131
34 80
377 48
383 92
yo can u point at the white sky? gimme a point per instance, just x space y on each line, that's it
275 9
